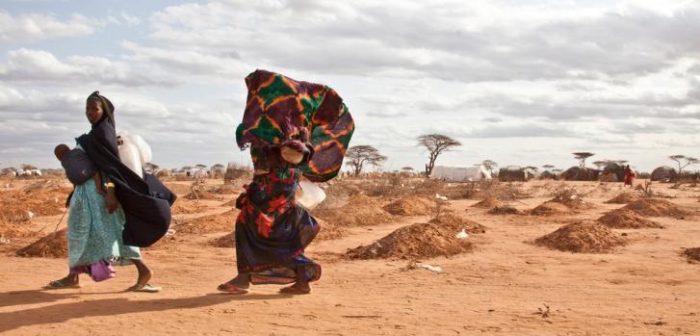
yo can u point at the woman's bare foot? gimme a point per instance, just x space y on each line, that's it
241 281
228 287
145 275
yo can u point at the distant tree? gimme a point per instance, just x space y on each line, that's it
688 161
533 168
490 165
358 156
185 168
581 157
548 166
217 166
436 145
26 166
200 166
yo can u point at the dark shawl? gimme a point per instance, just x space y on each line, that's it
146 202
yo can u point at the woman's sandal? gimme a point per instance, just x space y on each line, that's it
230 288
147 288
59 284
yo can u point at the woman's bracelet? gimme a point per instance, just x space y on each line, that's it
109 185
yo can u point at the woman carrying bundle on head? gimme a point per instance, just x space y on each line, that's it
293 129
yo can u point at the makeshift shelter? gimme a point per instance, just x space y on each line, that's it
580 174
461 174
614 172
664 174
515 173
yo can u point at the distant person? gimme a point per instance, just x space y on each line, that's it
97 213
629 176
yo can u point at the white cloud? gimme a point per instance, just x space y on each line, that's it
29 65
34 27
124 18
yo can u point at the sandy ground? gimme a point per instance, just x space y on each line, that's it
645 288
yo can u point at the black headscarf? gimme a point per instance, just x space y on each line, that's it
146 201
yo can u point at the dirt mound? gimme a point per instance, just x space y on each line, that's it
550 208
571 198
222 222
54 245
420 240
179 188
626 219
225 189
360 199
47 186
14 230
22 205
504 210
360 210
582 237
202 195
488 203
329 231
225 241
624 198
411 206
656 207
693 254
184 207
456 223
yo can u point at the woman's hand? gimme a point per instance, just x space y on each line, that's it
111 202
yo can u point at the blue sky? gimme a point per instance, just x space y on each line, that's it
519 82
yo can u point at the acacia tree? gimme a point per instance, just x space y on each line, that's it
436 145
548 166
490 165
688 161
581 157
360 155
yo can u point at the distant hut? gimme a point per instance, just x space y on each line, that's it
664 174
548 175
613 172
515 173
580 174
